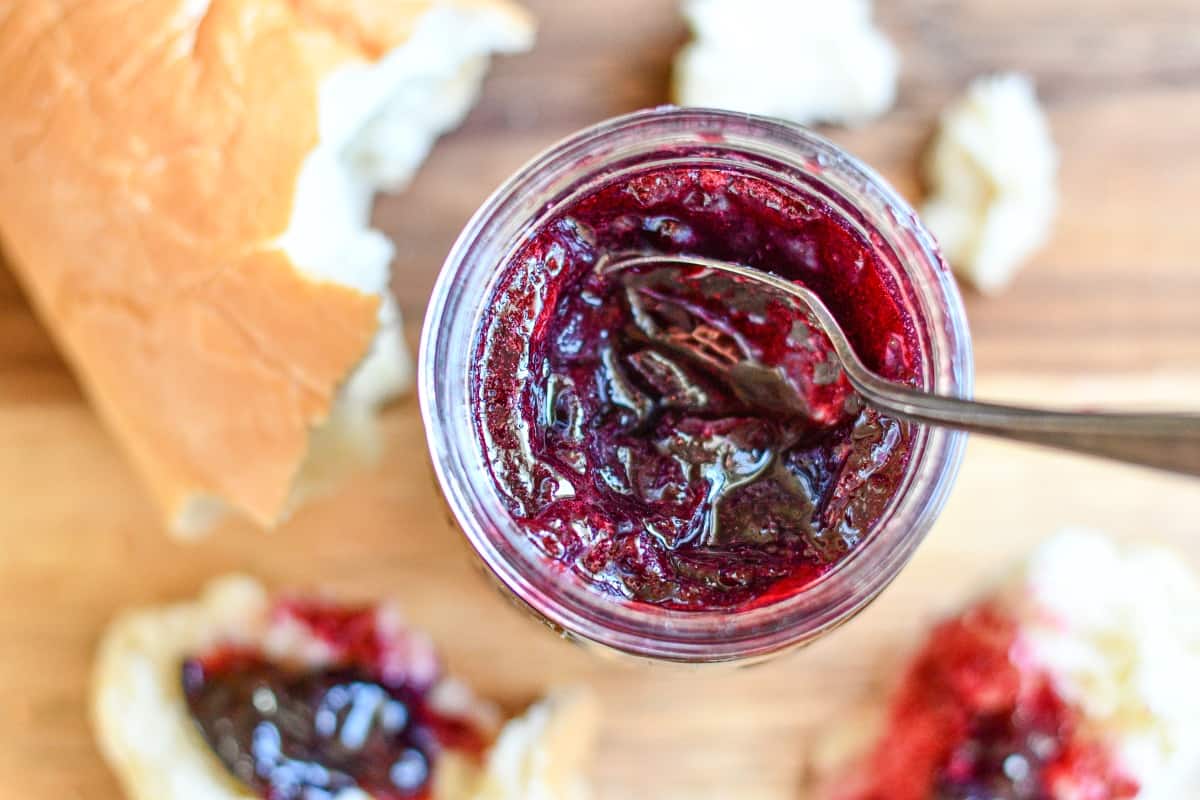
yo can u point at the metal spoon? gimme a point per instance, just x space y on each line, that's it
1163 441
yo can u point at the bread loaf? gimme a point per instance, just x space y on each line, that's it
185 187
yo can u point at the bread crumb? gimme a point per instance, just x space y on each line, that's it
802 60
992 174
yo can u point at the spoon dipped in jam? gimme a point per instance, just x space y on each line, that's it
713 290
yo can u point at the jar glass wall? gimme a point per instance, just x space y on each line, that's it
662 138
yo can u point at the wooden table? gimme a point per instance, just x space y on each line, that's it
1116 297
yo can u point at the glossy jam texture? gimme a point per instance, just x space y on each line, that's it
290 733
971 722
675 438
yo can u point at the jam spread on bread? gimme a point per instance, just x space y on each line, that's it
972 722
294 733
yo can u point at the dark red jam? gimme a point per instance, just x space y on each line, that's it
970 722
290 733
679 440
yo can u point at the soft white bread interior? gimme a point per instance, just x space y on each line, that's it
803 60
992 173
146 734
541 755
186 193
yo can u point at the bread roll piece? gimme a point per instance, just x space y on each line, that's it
148 735
186 193
992 173
802 60
1076 679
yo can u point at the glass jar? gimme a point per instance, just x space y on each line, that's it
587 160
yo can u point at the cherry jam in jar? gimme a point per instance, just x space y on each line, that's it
677 468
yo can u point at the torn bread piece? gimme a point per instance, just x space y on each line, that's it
992 176
802 60
240 696
187 193
1074 681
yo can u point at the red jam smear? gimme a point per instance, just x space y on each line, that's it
971 723
680 452
302 734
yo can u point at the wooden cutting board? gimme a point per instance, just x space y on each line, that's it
1117 294
81 542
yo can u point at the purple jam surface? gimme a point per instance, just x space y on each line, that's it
677 439
295 734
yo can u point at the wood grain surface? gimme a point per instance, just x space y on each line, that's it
1109 312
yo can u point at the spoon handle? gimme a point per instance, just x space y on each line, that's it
1163 441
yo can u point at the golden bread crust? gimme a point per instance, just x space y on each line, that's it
149 155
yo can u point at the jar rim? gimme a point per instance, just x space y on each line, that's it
552 591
